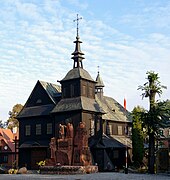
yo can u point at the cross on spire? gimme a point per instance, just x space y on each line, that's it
98 67
78 18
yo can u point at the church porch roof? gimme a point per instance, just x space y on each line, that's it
105 142
77 103
36 111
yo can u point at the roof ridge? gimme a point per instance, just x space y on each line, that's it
50 89
48 82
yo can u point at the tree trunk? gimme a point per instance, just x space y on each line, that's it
151 155
151 158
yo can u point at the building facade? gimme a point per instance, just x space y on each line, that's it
79 98
8 148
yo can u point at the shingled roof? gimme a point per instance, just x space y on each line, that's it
123 139
36 111
77 103
52 90
105 142
113 110
99 81
77 73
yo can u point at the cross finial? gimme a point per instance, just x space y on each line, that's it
98 67
78 18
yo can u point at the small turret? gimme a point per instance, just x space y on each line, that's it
99 85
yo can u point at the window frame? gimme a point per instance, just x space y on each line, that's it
49 128
119 130
5 158
38 129
27 130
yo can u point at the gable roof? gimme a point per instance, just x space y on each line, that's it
52 90
8 137
113 110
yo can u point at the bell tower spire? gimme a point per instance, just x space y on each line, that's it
77 54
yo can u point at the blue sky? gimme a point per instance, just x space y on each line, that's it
126 38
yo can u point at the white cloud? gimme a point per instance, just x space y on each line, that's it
79 4
154 15
39 46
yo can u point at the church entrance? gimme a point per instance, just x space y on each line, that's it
37 155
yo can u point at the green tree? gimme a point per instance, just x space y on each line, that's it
152 119
137 136
12 121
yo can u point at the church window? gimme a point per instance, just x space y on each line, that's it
126 130
90 92
64 92
27 130
130 131
49 128
109 129
72 90
119 130
84 90
38 129
98 125
92 127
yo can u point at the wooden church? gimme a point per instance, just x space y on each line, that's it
79 98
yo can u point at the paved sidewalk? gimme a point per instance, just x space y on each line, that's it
96 176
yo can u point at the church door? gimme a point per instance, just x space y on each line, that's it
37 155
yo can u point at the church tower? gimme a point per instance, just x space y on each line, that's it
78 103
